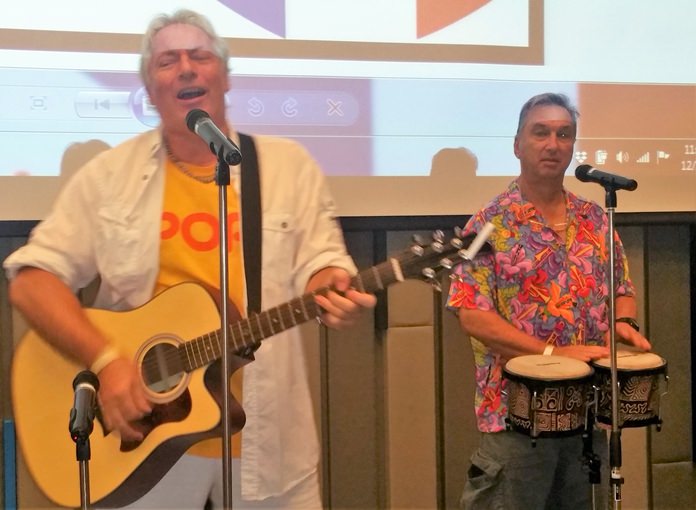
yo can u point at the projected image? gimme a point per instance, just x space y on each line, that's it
431 16
352 125
374 89
419 24
456 22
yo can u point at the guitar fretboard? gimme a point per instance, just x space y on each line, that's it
246 335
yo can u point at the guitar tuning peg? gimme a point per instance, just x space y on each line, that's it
457 243
437 247
439 236
431 277
429 273
446 263
417 249
417 239
458 232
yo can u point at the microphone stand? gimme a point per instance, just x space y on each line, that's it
590 459
616 479
222 179
83 454
80 433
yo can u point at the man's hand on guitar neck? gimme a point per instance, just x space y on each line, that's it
343 305
122 399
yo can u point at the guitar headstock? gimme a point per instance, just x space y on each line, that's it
425 260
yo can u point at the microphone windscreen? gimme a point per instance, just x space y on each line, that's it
86 376
193 117
582 172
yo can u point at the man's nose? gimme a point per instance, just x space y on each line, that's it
552 141
186 67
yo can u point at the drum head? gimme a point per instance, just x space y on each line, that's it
631 360
547 368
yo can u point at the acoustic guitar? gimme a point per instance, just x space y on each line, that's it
176 341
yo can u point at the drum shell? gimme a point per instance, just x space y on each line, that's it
558 409
639 395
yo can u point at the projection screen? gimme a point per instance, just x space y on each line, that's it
410 106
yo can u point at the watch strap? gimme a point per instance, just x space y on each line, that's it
630 321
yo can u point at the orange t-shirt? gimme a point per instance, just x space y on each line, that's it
189 252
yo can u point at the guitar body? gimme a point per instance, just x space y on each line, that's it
120 472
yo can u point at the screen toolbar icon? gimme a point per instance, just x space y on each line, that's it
623 157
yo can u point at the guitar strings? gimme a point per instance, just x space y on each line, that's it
196 352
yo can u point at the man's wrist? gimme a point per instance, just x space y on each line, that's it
630 321
105 357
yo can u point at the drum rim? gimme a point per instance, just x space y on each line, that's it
558 378
636 371
564 380
627 423
546 434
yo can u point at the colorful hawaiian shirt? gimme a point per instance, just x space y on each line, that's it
554 290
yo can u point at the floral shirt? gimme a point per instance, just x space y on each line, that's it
554 290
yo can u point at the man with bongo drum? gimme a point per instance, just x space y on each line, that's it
543 290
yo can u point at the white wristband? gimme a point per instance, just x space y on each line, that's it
548 349
105 357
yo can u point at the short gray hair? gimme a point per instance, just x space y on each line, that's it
547 99
184 17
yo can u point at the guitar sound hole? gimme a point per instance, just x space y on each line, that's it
162 370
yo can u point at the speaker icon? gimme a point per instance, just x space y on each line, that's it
622 157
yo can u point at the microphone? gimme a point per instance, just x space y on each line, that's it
200 123
586 173
82 413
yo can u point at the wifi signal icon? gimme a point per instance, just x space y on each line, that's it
622 157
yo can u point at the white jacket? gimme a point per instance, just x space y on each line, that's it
107 221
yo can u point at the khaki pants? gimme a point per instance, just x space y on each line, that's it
507 472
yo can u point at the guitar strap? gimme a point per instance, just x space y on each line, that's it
251 221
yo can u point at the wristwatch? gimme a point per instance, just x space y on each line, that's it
630 321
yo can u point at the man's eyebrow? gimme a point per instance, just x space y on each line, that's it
542 124
172 51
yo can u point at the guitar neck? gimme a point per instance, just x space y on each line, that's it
246 335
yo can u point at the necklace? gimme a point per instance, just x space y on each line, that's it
206 179
553 226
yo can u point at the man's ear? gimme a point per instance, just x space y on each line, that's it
516 148
149 96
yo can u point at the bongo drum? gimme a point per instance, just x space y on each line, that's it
638 375
547 395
